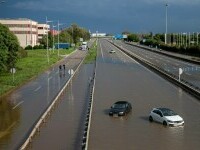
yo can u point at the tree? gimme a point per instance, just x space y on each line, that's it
159 37
133 37
77 32
9 46
65 37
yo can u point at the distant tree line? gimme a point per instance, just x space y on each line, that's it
158 41
70 35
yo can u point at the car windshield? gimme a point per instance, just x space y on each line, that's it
119 106
168 112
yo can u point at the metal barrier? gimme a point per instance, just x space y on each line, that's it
42 118
87 123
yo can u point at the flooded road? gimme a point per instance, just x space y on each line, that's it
64 129
121 78
20 110
191 72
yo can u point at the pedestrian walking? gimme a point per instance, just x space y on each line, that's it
64 67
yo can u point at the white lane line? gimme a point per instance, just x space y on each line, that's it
37 89
101 52
50 78
17 105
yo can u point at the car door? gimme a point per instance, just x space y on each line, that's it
160 116
156 116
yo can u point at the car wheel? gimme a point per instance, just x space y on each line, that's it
150 119
164 123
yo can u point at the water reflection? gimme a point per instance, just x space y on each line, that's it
9 119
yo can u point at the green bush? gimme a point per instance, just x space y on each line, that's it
9 46
22 53
29 47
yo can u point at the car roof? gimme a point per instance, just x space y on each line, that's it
121 102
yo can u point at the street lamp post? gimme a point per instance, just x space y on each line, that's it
166 5
53 37
47 21
59 24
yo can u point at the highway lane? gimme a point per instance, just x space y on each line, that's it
30 100
64 129
121 78
191 72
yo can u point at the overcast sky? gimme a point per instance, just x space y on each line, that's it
110 16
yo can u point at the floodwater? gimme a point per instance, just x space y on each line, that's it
21 109
64 129
120 78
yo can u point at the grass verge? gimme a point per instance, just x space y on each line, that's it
92 54
29 67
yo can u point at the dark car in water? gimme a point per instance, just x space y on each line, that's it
120 108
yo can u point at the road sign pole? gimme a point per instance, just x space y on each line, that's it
13 71
180 72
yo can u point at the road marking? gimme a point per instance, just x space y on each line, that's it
17 105
101 52
37 89
50 78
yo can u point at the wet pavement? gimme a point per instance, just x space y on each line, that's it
64 129
121 78
21 109
191 72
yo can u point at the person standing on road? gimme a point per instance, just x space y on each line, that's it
60 67
64 69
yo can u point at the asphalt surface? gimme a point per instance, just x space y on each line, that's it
64 129
121 78
191 72
23 107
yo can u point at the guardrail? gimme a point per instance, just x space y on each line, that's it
47 112
163 53
188 87
85 139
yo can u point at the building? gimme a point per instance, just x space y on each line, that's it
42 30
28 32
98 35
54 32
25 29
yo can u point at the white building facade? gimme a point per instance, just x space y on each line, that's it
43 29
28 32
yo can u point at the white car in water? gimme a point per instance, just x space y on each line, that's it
112 51
166 117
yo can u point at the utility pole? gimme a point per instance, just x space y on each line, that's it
53 37
59 37
166 5
47 21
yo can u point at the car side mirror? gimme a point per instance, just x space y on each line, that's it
161 115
